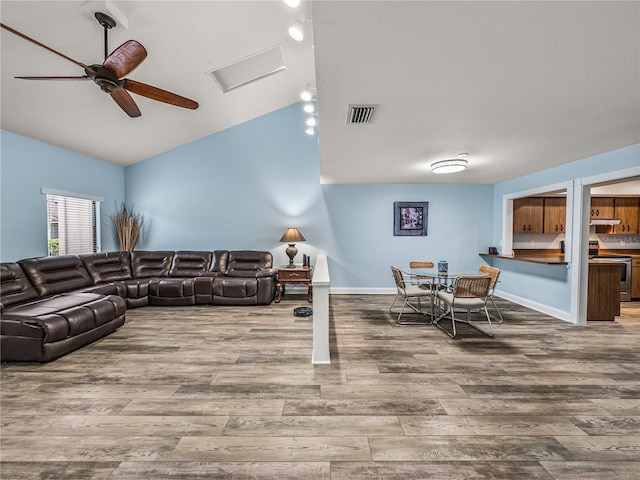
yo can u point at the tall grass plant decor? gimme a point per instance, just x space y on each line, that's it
128 225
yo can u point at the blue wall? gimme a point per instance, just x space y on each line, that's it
26 166
242 187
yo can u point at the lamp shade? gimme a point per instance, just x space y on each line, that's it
292 235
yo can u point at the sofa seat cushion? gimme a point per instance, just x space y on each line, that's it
235 287
172 291
67 315
55 275
171 287
112 288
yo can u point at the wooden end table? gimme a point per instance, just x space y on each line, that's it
297 274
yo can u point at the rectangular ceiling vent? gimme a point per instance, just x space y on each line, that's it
249 69
361 114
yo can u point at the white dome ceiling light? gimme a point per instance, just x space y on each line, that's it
452 165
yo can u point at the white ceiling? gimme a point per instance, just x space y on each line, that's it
184 39
521 86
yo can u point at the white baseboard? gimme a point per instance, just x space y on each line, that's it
538 307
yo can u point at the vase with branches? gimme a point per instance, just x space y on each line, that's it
128 225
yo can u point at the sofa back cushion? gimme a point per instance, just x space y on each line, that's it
15 287
190 263
220 261
151 264
54 275
245 263
108 266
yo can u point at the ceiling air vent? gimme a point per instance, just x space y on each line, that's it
361 113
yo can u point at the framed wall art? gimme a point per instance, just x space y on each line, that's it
410 218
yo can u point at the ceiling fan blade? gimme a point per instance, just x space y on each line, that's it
126 103
158 94
125 58
55 78
29 39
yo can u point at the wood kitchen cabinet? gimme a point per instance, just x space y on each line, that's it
603 290
601 208
635 276
528 215
626 209
555 215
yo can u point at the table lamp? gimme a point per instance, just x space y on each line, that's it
290 236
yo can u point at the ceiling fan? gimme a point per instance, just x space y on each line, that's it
109 76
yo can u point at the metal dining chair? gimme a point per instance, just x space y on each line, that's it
494 273
469 292
409 287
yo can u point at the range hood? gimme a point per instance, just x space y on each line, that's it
605 221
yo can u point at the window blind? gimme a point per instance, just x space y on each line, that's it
72 225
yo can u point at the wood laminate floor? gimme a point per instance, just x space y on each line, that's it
229 392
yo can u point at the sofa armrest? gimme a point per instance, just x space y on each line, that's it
266 272
20 327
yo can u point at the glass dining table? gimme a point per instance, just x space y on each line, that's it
439 280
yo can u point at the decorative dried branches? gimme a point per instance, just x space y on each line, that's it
128 225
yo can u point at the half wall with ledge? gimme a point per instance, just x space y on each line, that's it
321 283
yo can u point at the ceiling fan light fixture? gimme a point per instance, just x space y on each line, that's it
449 166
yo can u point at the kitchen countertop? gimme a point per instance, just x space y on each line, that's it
555 256
545 257
604 261
619 251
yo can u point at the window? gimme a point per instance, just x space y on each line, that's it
73 225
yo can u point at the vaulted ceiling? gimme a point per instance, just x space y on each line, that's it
519 86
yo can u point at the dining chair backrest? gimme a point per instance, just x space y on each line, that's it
420 264
398 277
493 272
472 286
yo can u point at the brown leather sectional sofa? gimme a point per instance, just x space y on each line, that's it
50 306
